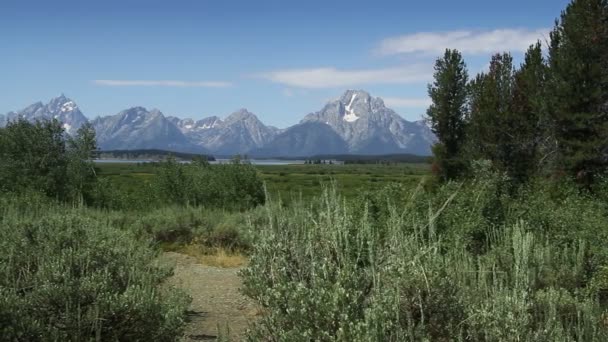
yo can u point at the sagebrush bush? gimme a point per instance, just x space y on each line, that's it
66 276
459 263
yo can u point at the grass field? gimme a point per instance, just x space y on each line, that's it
308 180
288 181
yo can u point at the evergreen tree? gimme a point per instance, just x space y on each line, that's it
476 119
491 125
447 112
578 59
529 124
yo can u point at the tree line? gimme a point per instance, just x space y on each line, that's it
549 116
40 157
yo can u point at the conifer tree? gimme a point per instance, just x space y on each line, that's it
578 59
529 124
448 111
491 127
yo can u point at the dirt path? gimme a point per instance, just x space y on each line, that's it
216 299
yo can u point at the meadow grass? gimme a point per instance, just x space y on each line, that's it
288 181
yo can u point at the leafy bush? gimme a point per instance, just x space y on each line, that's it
234 186
65 276
231 186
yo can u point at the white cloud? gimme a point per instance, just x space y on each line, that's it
401 102
468 42
334 78
166 83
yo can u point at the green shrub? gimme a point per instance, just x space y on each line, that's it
459 263
68 277
230 186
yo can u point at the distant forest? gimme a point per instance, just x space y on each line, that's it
367 159
150 155
375 159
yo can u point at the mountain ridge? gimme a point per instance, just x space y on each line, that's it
61 108
354 123
139 128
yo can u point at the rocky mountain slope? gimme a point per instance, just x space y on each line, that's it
369 127
240 132
61 108
138 128
302 140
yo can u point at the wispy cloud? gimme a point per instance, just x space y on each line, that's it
164 83
335 78
401 102
468 42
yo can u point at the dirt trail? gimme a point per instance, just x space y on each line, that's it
216 299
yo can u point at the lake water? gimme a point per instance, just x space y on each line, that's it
217 161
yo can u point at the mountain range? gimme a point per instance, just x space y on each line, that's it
60 108
355 123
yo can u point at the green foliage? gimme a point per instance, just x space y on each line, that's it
152 154
464 262
34 156
491 120
81 169
547 116
235 185
179 225
129 186
447 113
530 125
579 86
508 124
65 276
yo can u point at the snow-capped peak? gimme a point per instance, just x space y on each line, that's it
350 115
68 106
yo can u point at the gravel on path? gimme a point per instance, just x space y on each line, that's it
216 300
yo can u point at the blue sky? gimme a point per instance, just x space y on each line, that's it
279 59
